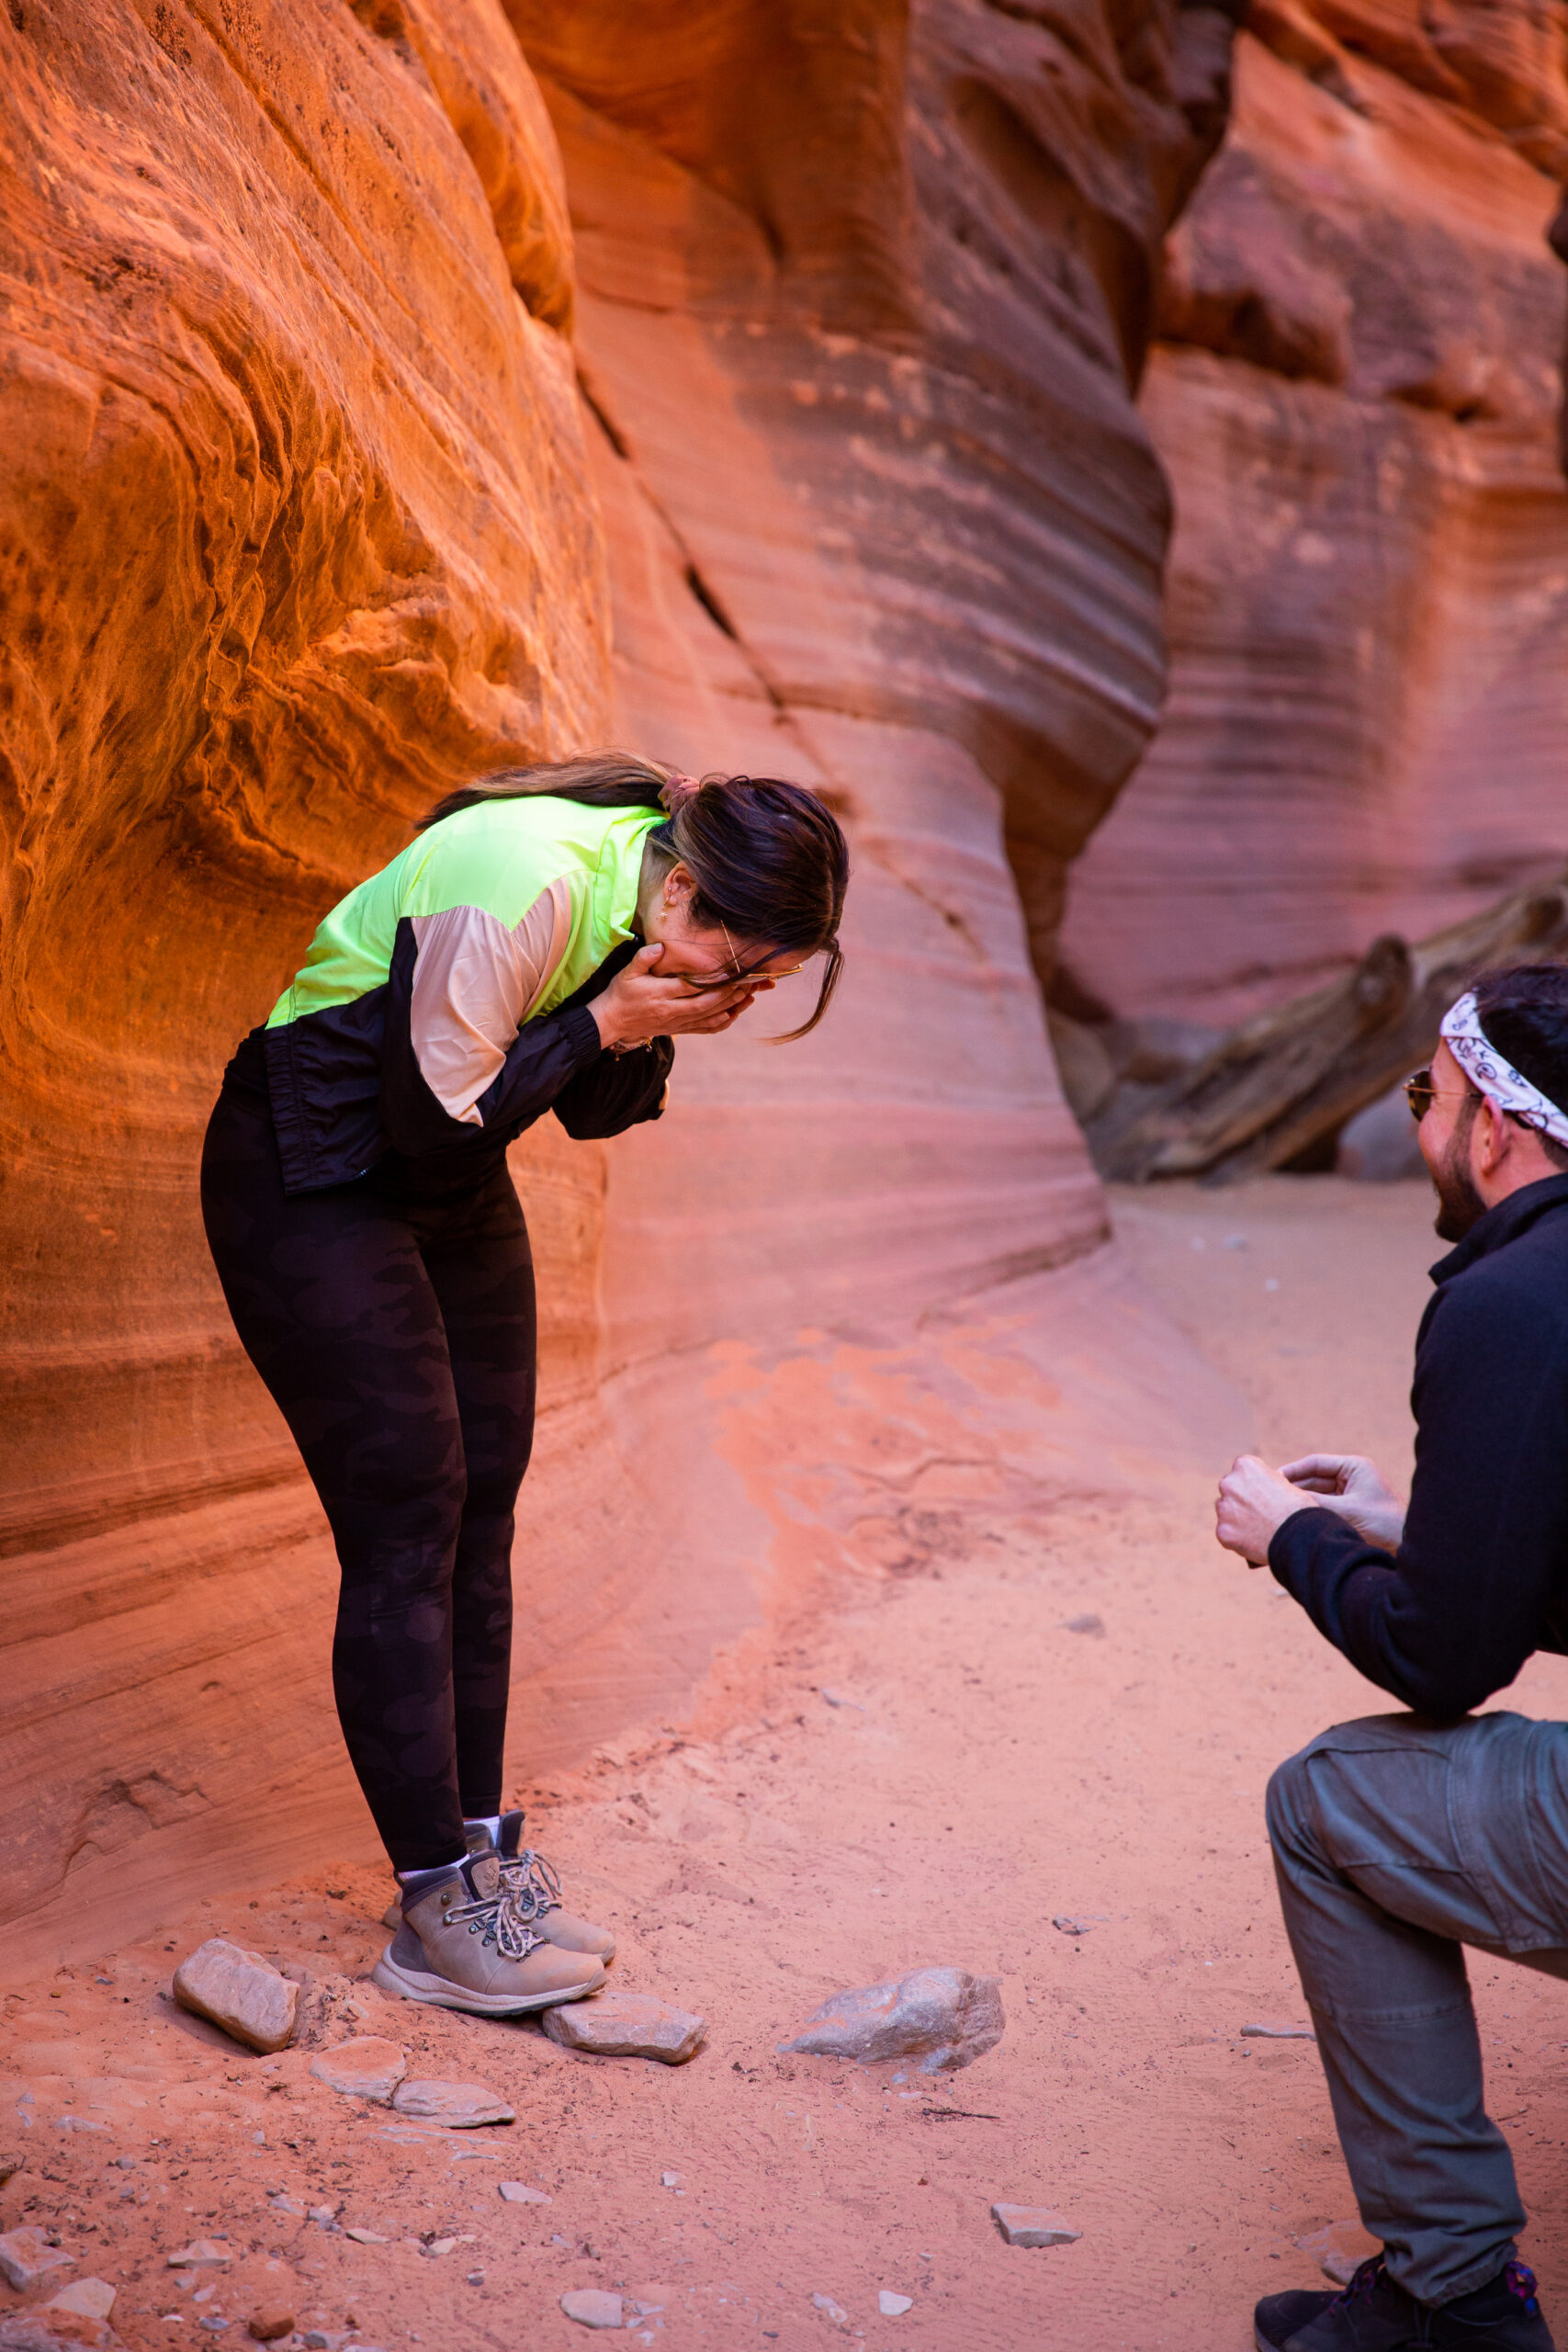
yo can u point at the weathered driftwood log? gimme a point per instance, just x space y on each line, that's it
1289 1079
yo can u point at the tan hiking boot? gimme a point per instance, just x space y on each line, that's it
464 1945
535 1890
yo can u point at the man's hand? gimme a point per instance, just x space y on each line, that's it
642 1002
1357 1490
1253 1501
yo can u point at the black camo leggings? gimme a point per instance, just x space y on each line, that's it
397 1335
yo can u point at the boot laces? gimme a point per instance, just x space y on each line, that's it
1363 2284
506 1926
533 1884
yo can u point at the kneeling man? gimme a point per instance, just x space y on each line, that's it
1399 1839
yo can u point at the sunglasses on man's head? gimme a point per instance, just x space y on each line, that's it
1421 1093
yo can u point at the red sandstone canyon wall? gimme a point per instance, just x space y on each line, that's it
307 518
1355 394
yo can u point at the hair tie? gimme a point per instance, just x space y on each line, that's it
675 793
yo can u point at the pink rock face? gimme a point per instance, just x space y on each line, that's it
304 528
1356 397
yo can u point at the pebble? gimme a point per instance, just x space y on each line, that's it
830 2310
25 2255
1278 2033
365 2067
92 2297
1340 2249
1079 1923
460 2105
592 2307
240 1991
627 2025
268 2324
281 2203
323 2216
517 2192
367 2238
893 2306
1089 1623
944 2016
1032 2225
200 2255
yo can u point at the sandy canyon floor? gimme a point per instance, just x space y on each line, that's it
980 1768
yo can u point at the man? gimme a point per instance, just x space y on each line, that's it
1401 1839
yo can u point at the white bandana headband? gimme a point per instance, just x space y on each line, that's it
1497 1078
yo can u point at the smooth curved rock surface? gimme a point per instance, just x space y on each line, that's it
1356 397
308 525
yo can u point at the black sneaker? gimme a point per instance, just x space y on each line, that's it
1372 2315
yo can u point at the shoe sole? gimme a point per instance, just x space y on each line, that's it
440 1993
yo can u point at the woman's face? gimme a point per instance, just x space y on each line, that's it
664 917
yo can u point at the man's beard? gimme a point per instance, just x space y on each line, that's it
1459 1205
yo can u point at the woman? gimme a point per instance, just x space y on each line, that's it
536 947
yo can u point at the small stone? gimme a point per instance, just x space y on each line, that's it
240 1991
1079 1923
282 2204
1032 2225
517 2192
268 2324
91 2297
124 2164
365 2067
323 2215
200 2255
830 2310
669 2180
944 2016
627 2025
440 2245
1278 2033
1087 1623
316 2342
459 2105
9 2164
475 2277
893 2306
367 2237
592 2307
25 2255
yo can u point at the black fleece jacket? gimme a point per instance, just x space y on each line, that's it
1481 1577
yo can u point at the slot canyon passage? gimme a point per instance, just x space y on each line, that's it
395 389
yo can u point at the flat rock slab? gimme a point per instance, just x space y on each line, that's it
592 2306
517 2192
200 2255
944 2016
90 2297
26 2256
367 2067
893 2306
42 2329
1278 2033
1032 2225
1340 2249
627 2025
458 2104
240 1991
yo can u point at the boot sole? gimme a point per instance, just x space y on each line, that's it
440 1993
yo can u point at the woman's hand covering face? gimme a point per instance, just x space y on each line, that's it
644 1000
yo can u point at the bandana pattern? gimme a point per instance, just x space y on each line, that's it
1498 1080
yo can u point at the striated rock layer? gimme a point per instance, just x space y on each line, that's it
1356 397
305 528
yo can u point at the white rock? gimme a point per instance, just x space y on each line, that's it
1032 2225
517 2192
365 2067
459 2105
830 2310
367 2237
626 2025
25 2255
891 2305
241 1991
200 2255
592 2307
92 2297
1278 2033
944 2016
669 2180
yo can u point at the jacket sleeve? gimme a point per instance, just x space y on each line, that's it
617 1091
1455 1612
